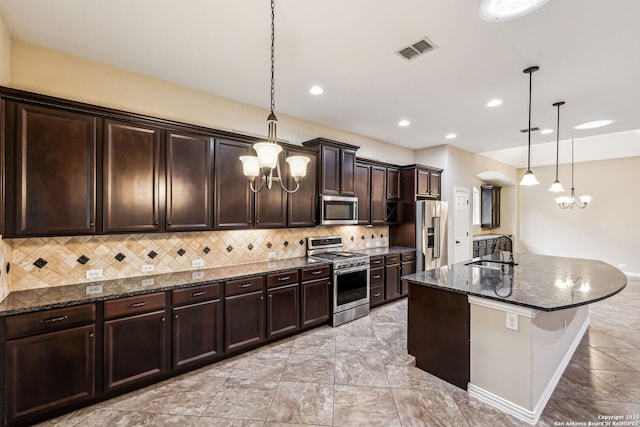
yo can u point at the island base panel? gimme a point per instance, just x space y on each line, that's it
438 333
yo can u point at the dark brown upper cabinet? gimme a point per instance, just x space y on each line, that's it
378 195
428 183
393 184
363 192
189 203
490 206
337 167
302 205
233 197
50 171
132 167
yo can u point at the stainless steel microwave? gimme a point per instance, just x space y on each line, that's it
338 210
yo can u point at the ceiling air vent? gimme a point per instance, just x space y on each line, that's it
416 49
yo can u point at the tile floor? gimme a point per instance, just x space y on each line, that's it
359 374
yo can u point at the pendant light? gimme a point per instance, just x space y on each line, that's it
571 201
556 187
268 153
529 178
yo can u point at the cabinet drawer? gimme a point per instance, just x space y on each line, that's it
376 276
408 256
48 320
376 261
133 305
315 273
482 243
376 295
243 286
392 259
195 294
279 279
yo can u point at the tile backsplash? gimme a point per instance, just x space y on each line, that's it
56 261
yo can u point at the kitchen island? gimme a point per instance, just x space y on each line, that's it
505 332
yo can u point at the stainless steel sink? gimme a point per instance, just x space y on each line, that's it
495 265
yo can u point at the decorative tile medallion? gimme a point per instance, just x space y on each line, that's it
206 249
152 254
181 251
120 256
40 263
83 260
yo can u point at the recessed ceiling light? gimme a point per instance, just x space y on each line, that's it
316 90
506 10
404 123
593 124
494 103
546 131
451 136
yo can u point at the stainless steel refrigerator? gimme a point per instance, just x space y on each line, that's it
431 234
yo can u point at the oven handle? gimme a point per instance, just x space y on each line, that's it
351 270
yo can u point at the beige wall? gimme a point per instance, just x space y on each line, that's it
607 229
54 73
5 54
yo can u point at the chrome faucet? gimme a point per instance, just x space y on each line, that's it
494 248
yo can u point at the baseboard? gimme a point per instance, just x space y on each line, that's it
631 274
519 412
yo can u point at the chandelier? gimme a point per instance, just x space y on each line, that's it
268 153
565 202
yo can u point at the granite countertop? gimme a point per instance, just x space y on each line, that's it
64 296
384 250
539 282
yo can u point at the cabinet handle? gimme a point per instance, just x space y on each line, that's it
315 273
197 294
282 279
176 316
261 298
245 285
137 304
162 319
376 277
169 223
156 223
54 319
270 296
91 334
91 224
376 294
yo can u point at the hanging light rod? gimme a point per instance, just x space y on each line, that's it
529 178
268 153
556 187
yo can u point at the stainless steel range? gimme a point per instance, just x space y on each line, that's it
350 277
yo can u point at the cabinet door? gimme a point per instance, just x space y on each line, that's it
393 184
197 332
422 182
48 370
348 172
135 349
331 170
363 193
271 207
407 267
283 310
378 195
243 320
189 182
54 192
316 301
434 184
392 281
131 164
233 197
302 205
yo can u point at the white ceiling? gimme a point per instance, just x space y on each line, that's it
587 51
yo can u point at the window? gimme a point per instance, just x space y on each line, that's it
476 206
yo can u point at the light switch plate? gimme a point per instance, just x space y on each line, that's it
512 321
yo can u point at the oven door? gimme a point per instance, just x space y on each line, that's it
350 288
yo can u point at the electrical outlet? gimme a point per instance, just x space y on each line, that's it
512 321
147 282
197 263
197 275
378 243
272 255
93 289
147 268
93 274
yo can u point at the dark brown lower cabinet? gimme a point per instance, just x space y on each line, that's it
47 371
135 349
316 301
376 295
283 310
439 320
392 281
197 332
243 320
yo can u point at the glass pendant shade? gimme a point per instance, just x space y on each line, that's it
267 154
529 179
250 167
298 166
556 187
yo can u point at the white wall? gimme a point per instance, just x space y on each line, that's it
608 229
